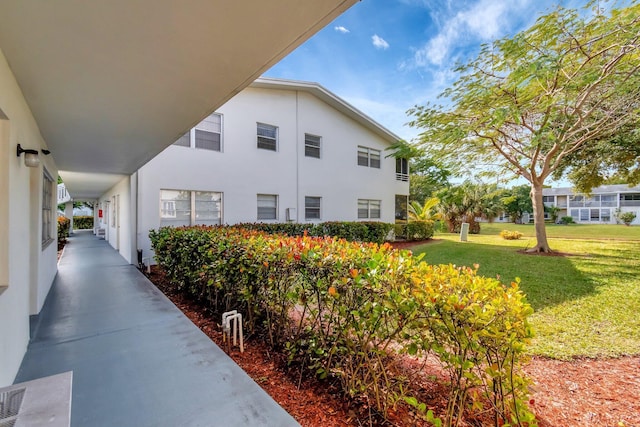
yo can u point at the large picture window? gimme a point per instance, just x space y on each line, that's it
47 208
186 207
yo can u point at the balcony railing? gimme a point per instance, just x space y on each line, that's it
402 177
63 194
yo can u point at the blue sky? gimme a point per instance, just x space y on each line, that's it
385 56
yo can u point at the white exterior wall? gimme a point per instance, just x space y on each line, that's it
117 218
336 176
27 269
241 171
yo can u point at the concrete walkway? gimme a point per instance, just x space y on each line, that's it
136 359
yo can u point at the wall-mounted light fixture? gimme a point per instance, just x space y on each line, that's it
31 159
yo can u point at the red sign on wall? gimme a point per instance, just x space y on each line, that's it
99 213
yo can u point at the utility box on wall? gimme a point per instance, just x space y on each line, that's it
292 214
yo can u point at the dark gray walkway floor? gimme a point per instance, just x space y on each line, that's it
136 359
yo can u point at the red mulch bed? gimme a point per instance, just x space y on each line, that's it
580 393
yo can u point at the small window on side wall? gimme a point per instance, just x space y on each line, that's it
267 207
312 146
369 157
368 209
312 208
267 137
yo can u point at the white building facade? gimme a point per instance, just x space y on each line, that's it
279 151
600 207
94 112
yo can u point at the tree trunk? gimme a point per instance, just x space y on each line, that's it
538 219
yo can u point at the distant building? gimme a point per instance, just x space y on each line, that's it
600 207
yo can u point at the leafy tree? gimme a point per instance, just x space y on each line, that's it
614 160
529 102
516 202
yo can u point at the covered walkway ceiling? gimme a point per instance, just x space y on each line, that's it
112 83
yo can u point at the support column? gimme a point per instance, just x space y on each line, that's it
68 212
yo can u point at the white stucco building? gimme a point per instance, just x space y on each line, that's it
599 207
95 91
279 151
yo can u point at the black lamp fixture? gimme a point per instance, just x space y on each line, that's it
45 151
31 159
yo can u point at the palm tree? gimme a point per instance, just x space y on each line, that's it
424 212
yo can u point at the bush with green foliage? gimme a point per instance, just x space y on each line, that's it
83 222
510 235
567 220
63 228
343 309
362 231
414 230
627 217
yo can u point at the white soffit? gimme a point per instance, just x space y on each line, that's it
113 83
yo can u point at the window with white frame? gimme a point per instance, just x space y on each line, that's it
548 199
267 137
186 207
368 209
402 169
369 157
206 135
312 207
312 146
267 207
575 214
47 207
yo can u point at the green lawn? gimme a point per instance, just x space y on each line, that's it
586 304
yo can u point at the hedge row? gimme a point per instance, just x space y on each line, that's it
83 222
366 231
414 230
343 309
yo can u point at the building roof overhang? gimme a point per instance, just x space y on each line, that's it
111 84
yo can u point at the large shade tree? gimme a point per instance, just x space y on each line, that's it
530 101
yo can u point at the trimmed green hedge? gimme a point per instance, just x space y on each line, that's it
83 222
343 309
414 230
365 231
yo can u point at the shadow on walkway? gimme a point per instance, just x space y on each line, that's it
136 359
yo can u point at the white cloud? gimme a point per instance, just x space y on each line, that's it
485 20
341 29
379 42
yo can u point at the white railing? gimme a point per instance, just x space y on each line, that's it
63 194
402 176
